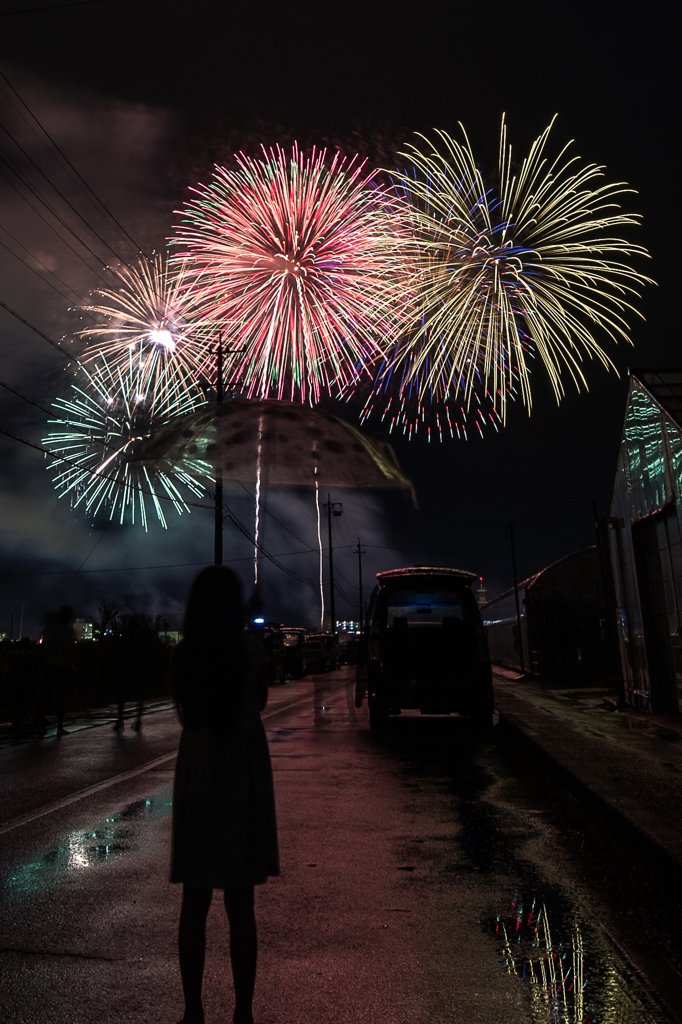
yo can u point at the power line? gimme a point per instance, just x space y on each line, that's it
37 331
194 504
43 265
44 202
59 193
272 515
30 401
271 558
77 254
69 166
138 568
85 560
34 271
50 412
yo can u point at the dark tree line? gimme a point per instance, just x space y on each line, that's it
128 660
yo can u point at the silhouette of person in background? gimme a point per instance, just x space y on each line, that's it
132 664
58 650
224 827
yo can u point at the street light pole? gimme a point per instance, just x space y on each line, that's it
331 507
510 534
360 552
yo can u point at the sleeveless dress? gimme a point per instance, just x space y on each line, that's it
224 827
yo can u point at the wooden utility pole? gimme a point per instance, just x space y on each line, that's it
360 551
218 542
331 507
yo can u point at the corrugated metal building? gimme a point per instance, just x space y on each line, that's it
563 618
645 531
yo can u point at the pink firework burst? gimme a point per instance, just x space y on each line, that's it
300 262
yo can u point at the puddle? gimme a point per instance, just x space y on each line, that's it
563 966
83 850
568 971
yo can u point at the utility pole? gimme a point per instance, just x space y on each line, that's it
331 507
219 394
218 542
360 551
509 531
603 528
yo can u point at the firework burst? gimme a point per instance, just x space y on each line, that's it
529 268
109 411
302 262
151 319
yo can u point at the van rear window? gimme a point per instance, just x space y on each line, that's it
424 608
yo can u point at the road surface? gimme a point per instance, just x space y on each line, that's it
424 880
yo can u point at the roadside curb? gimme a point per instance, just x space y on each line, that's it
578 776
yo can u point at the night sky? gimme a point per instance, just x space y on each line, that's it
144 97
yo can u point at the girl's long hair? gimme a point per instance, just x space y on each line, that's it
209 665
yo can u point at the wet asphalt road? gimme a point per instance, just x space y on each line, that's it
435 875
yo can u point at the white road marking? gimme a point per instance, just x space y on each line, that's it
24 819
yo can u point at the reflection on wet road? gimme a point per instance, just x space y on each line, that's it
566 967
422 848
80 851
569 973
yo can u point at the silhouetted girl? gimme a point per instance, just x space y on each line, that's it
224 827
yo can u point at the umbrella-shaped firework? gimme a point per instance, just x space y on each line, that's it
109 411
527 268
151 318
302 260
298 445
274 443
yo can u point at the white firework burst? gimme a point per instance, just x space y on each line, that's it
111 408
152 317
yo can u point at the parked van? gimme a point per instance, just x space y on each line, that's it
330 642
294 655
426 647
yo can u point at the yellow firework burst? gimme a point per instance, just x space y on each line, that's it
527 266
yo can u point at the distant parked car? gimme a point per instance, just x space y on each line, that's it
295 660
270 637
316 656
349 650
331 645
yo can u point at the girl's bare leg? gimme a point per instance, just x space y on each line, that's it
192 948
243 951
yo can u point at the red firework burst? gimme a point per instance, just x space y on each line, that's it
300 262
